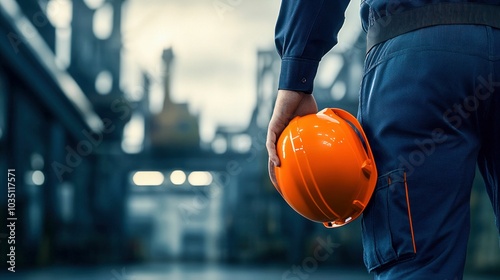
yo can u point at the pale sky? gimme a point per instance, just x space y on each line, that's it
215 44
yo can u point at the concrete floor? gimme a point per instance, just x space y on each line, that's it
195 272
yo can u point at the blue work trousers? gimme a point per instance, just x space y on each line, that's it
430 106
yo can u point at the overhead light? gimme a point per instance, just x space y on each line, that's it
60 13
104 82
148 178
178 177
34 178
133 135
200 178
103 22
38 177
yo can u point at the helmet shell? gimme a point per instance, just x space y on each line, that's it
327 172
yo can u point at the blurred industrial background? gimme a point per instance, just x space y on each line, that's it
117 176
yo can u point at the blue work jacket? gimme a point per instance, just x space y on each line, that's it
307 29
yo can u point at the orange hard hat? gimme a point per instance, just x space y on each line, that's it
327 172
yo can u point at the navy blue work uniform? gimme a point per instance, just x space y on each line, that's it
430 106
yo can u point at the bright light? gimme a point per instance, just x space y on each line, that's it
63 47
200 178
330 68
148 178
241 143
133 135
338 91
104 82
103 22
219 145
178 177
38 178
60 13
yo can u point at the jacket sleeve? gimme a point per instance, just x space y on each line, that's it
305 31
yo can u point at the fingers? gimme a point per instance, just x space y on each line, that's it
271 147
272 175
284 110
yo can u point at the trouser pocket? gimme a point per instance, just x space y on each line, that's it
387 225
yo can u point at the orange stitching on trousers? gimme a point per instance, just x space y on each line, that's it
409 216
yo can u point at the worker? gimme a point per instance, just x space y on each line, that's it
430 107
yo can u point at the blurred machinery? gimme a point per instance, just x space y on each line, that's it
174 127
63 115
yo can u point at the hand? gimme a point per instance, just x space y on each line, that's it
289 104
